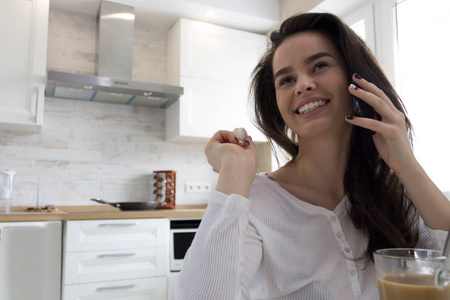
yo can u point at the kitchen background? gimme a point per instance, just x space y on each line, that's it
109 151
90 149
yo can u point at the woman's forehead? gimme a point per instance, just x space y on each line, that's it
303 45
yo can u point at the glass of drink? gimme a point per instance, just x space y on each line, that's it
412 274
6 190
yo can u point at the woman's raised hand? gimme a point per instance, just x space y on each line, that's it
391 137
226 145
392 142
234 159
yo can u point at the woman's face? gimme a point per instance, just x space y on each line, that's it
311 84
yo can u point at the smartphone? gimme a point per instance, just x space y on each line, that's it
361 108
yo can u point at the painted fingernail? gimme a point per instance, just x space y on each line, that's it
247 142
237 141
350 117
352 86
357 75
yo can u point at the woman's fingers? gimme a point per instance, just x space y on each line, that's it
381 103
384 128
223 136
239 136
223 143
370 89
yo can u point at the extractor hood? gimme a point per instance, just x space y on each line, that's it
114 84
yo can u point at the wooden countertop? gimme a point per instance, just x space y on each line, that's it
98 212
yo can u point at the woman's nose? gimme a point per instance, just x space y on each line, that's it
305 84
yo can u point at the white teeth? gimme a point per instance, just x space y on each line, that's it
310 106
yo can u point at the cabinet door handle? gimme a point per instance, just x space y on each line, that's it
117 225
117 287
116 255
24 226
37 105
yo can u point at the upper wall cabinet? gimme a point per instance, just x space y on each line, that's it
213 64
23 53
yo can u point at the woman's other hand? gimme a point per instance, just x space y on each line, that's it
234 159
392 142
391 137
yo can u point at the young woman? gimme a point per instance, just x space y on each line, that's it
352 186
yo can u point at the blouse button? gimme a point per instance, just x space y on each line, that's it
352 272
339 235
333 219
347 249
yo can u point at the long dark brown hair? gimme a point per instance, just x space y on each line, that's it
380 206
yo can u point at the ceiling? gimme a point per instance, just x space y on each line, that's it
340 8
259 16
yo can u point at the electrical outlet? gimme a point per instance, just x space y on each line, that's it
189 188
197 187
206 187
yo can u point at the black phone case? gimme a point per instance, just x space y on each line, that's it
361 108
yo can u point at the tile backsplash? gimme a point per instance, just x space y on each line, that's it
100 150
109 151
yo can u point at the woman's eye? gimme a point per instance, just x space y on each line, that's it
286 80
320 65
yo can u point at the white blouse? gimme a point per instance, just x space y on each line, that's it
275 246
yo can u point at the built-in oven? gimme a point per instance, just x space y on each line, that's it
182 232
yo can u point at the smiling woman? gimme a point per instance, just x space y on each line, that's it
309 229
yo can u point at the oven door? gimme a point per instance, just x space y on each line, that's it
180 241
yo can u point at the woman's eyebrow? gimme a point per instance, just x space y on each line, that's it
281 72
318 55
307 61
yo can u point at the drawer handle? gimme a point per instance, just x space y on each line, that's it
116 255
22 227
117 287
118 225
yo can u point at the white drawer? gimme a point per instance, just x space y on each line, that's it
87 267
82 236
138 289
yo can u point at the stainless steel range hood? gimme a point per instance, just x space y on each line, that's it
114 84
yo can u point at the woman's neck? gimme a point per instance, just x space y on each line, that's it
316 175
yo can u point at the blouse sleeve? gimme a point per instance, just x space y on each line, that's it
224 254
431 238
438 237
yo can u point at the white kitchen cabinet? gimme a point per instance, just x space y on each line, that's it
213 64
123 259
137 289
30 260
23 55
